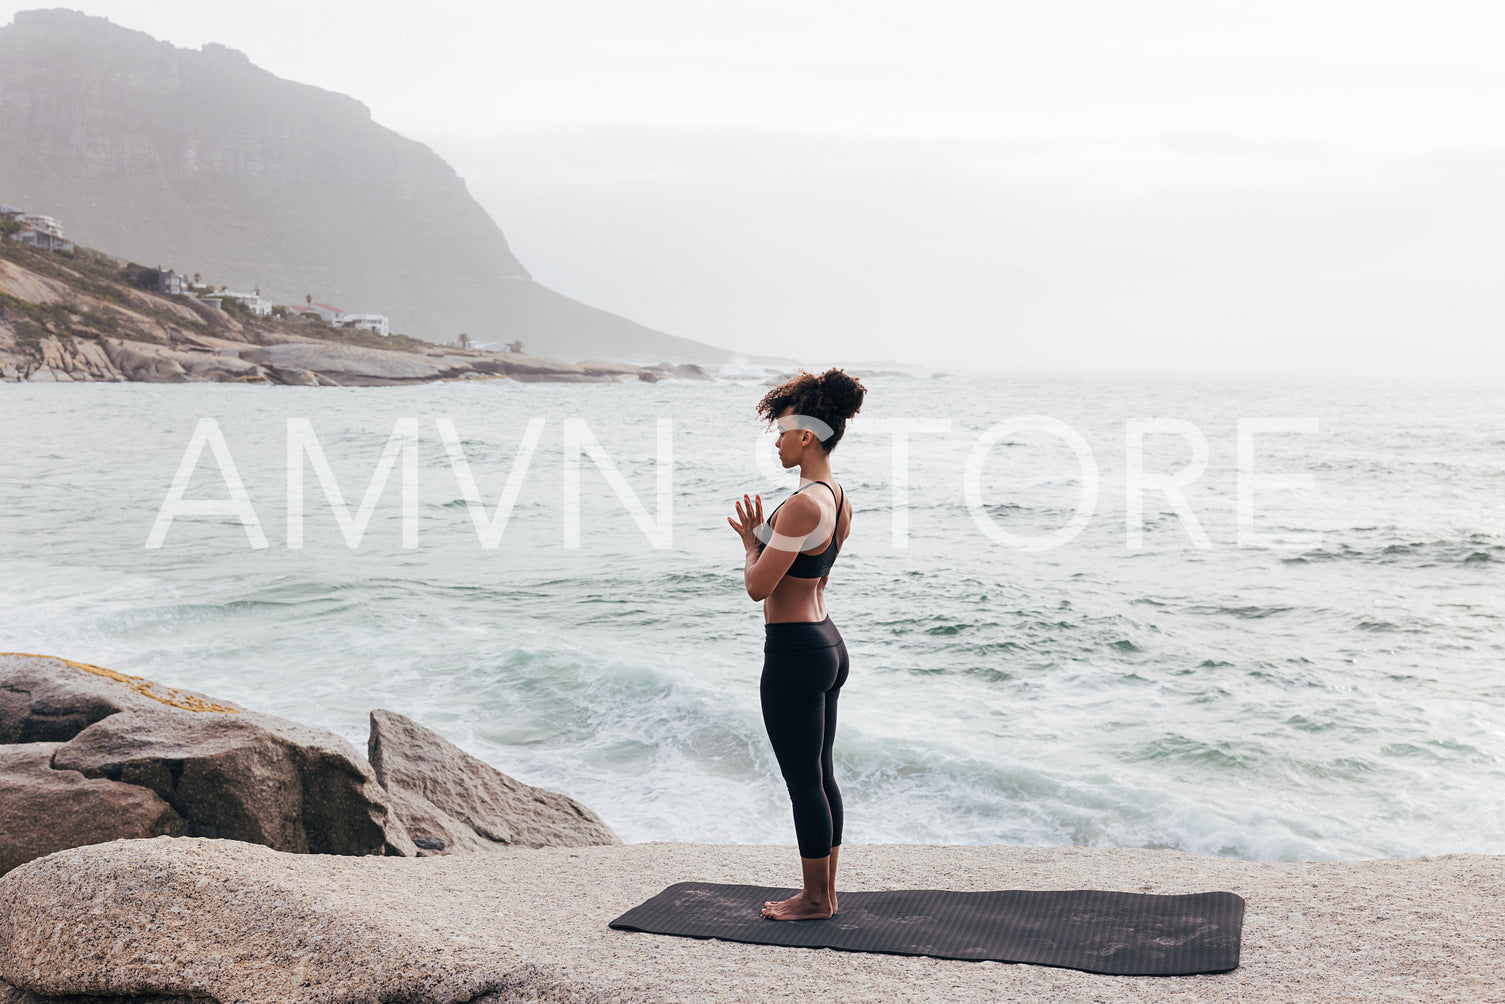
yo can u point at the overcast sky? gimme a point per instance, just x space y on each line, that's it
1306 186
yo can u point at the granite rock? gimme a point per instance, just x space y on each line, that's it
439 790
232 921
346 365
44 810
47 699
245 776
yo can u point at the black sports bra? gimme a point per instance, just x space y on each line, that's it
815 566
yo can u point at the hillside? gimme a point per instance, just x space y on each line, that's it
83 316
201 160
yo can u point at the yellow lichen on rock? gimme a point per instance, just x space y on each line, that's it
141 685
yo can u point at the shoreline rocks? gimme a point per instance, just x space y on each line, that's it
310 363
58 809
441 792
90 755
245 776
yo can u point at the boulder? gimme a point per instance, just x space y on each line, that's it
219 920
47 699
440 791
535 369
245 776
224 771
146 362
346 365
193 766
523 364
605 367
462 364
157 363
44 810
433 830
221 367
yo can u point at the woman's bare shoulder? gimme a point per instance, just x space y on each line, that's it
800 509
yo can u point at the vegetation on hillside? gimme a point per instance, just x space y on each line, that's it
105 292
87 274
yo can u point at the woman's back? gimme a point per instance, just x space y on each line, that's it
800 594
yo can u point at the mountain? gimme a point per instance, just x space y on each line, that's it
203 162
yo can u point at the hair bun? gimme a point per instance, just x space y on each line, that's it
845 392
833 397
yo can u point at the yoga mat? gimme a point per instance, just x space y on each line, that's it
1120 933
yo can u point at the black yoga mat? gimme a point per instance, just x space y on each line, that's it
1121 933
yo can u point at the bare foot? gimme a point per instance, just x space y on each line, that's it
797 907
768 903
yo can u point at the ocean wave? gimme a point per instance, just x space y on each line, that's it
1468 548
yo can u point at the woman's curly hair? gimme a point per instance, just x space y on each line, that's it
833 397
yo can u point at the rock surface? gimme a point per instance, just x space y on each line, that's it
245 776
11 995
174 761
237 923
147 363
44 810
47 699
344 365
96 755
439 790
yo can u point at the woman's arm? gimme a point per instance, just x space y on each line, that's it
764 568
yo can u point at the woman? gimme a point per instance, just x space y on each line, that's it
804 658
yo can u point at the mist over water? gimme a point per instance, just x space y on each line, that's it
1334 696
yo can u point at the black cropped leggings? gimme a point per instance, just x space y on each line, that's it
804 665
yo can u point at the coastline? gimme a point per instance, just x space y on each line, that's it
530 924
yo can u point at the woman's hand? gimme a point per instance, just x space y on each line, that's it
749 518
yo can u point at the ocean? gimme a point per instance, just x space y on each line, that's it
1293 651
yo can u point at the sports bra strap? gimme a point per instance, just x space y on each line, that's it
839 502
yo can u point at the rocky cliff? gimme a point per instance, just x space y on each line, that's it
203 162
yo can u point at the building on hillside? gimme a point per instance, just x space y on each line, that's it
254 302
171 283
44 240
336 317
366 322
9 212
328 313
44 224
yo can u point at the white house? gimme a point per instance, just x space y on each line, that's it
45 224
366 322
43 239
324 311
254 302
336 317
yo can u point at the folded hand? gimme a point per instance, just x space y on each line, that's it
749 518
